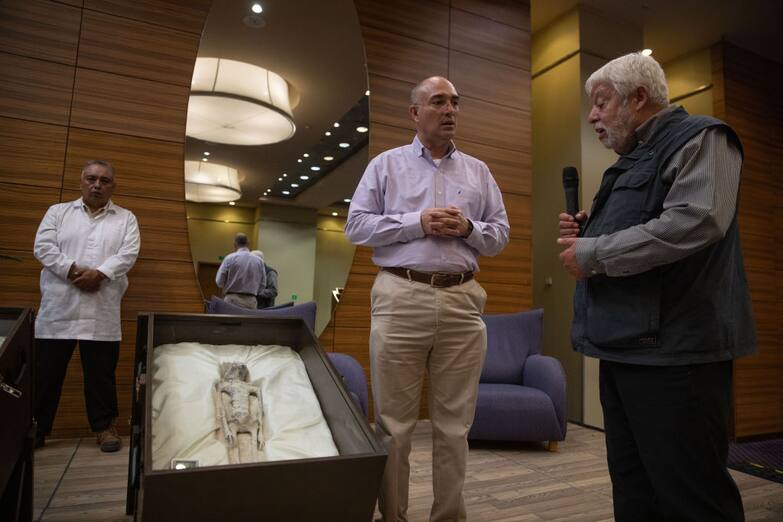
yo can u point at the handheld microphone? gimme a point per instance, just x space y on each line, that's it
571 189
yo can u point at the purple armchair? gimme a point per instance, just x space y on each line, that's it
522 394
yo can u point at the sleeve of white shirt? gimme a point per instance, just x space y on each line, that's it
220 277
490 234
46 249
368 225
120 263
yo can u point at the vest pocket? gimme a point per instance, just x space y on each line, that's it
624 312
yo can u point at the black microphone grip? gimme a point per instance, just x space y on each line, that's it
571 189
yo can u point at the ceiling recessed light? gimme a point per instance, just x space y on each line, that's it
204 159
232 203
256 8
344 145
646 52
294 185
279 179
299 160
328 158
305 155
285 192
361 128
315 168
367 92
285 175
336 124
327 133
347 200
206 153
334 214
304 177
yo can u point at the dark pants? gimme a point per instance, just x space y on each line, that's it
667 442
99 360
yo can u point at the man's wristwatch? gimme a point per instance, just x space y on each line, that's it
470 227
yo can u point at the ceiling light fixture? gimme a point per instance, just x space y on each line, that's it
335 214
304 177
646 52
211 182
344 145
305 155
206 153
361 128
367 92
285 192
238 103
232 203
327 133
256 8
315 168
294 185
328 158
299 160
285 175
204 159
347 200
336 124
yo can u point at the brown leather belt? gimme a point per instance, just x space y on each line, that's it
436 279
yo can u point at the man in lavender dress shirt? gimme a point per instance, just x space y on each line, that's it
241 275
429 211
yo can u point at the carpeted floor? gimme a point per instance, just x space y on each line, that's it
761 458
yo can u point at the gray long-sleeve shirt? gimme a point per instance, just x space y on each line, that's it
704 176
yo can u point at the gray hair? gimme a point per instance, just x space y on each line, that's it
102 163
629 72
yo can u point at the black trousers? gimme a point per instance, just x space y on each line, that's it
99 361
667 442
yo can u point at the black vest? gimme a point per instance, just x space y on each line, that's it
695 310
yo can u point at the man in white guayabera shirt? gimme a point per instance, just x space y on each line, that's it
86 248
429 211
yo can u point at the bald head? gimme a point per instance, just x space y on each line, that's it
434 109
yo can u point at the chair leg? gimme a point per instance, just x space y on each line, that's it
552 446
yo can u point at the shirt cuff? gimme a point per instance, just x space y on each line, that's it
586 258
411 226
107 271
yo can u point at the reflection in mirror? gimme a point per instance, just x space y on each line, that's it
277 137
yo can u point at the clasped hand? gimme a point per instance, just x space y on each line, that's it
86 279
444 222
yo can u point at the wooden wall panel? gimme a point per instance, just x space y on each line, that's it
184 15
144 167
510 86
19 223
487 56
418 19
32 153
40 29
401 57
479 36
745 96
137 49
129 95
35 90
124 105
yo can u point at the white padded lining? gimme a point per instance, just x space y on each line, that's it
183 411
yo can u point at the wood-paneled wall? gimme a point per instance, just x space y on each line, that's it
98 79
483 46
746 97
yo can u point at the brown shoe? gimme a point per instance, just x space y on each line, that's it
109 439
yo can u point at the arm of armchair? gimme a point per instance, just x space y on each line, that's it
546 374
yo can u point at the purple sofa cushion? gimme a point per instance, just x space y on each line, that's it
510 412
511 338
305 311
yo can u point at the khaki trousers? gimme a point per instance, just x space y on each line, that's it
417 328
245 301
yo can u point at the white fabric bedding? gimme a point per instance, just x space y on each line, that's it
183 412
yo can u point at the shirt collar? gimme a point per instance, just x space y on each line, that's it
243 249
109 207
647 129
423 151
